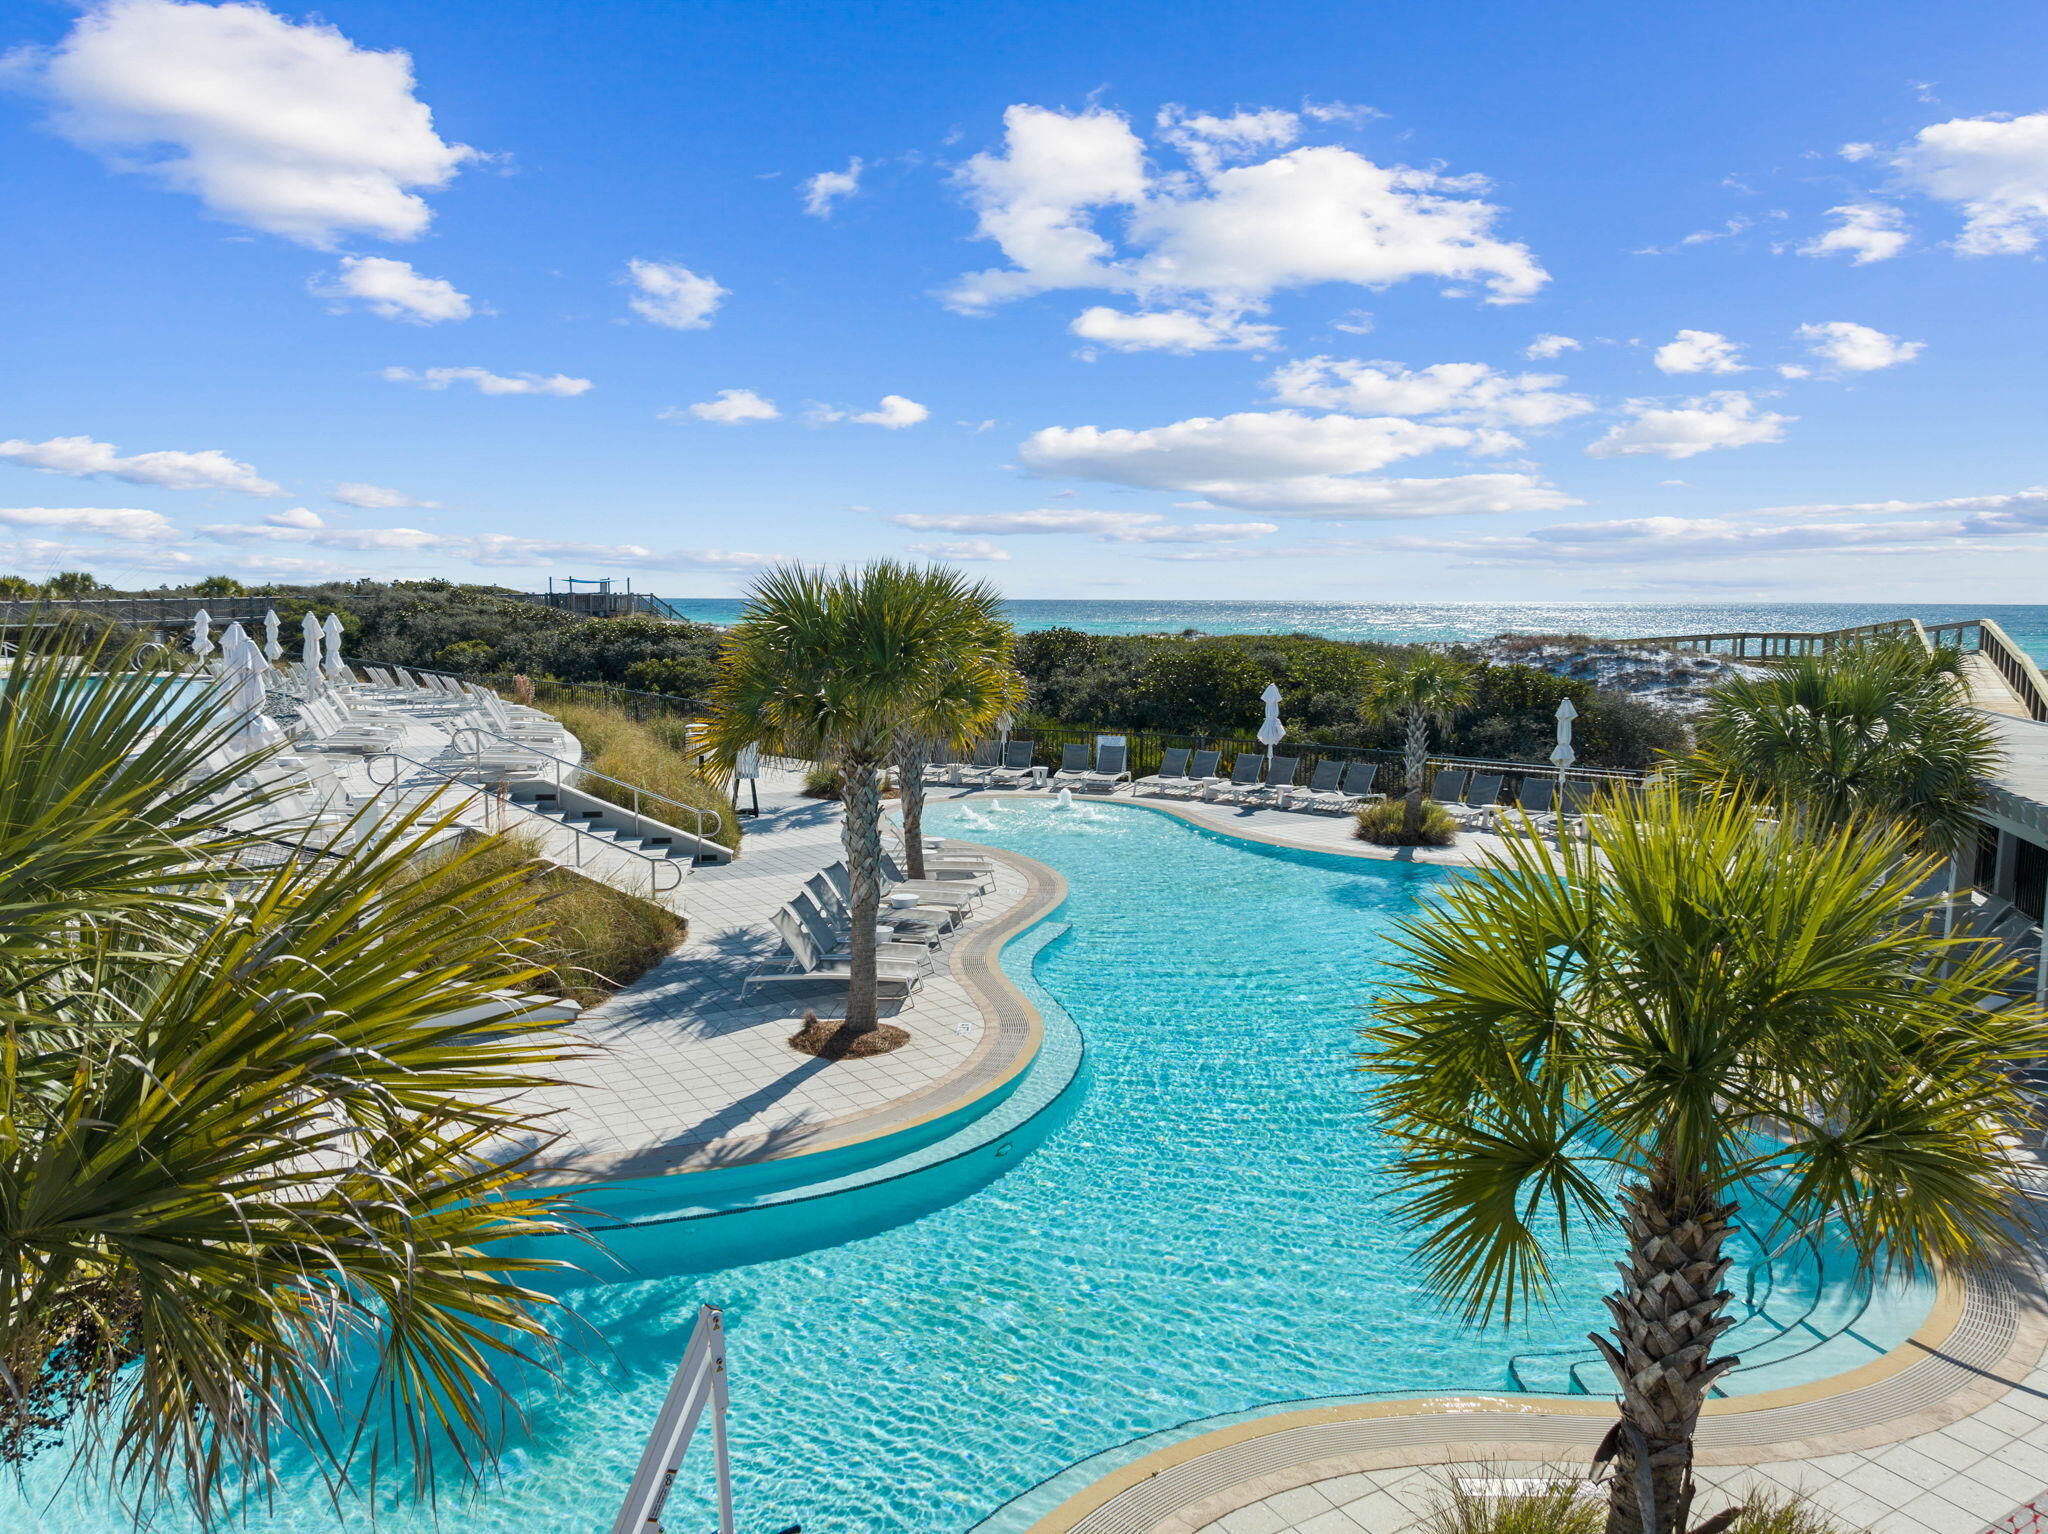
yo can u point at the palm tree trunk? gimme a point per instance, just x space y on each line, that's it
1415 763
1667 1315
861 792
910 800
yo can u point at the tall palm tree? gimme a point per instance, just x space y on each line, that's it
1881 730
838 668
1702 1006
252 1157
1428 690
966 699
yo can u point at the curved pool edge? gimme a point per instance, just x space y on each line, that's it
872 1146
1983 1337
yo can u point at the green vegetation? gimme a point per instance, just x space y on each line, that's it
1883 730
247 1167
839 669
1700 999
1386 823
1558 1509
589 939
652 754
1200 684
1426 689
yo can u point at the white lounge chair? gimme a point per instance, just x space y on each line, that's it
1245 773
1109 769
1073 766
801 959
1201 772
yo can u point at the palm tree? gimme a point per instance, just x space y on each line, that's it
838 669
967 698
1428 690
1701 1005
1882 730
252 1161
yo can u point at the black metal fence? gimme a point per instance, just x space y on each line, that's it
1145 748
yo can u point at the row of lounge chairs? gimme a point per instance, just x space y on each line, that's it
815 926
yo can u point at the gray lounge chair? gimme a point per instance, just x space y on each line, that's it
1326 781
1482 796
801 959
1016 765
1245 773
1173 768
1110 770
1448 787
975 768
953 897
1279 784
925 925
1073 765
1536 796
1200 770
831 933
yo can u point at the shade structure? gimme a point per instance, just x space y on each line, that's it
309 648
1562 756
336 668
245 692
271 648
1271 731
202 633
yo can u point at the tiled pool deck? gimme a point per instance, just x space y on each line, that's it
1951 1437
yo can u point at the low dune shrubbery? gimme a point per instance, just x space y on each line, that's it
1385 824
649 753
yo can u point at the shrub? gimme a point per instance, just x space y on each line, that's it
594 940
1560 1509
822 782
649 754
1384 824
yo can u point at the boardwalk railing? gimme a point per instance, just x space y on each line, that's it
1973 636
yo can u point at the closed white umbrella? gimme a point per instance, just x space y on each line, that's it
1003 726
271 648
1563 755
1272 731
335 666
242 682
309 653
202 633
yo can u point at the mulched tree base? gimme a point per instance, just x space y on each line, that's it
829 1039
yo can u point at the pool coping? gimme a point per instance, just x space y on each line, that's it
1012 1032
1983 1336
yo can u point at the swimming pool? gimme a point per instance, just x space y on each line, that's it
1200 1229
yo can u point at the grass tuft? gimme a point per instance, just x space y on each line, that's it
594 939
1382 824
649 753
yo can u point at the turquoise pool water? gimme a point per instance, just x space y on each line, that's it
1197 1226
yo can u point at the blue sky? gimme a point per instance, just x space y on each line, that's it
1346 302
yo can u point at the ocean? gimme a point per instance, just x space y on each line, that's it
1398 622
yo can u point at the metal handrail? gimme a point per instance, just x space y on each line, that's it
502 801
559 763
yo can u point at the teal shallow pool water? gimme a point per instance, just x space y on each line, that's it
1198 1226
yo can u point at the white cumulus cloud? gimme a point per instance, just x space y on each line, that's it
124 523
1852 348
1461 393
1995 169
1286 463
394 290
1223 235
298 516
976 550
370 498
282 126
732 407
1725 419
895 412
1181 331
1548 345
488 382
1106 526
83 458
828 188
1699 351
672 296
1864 231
